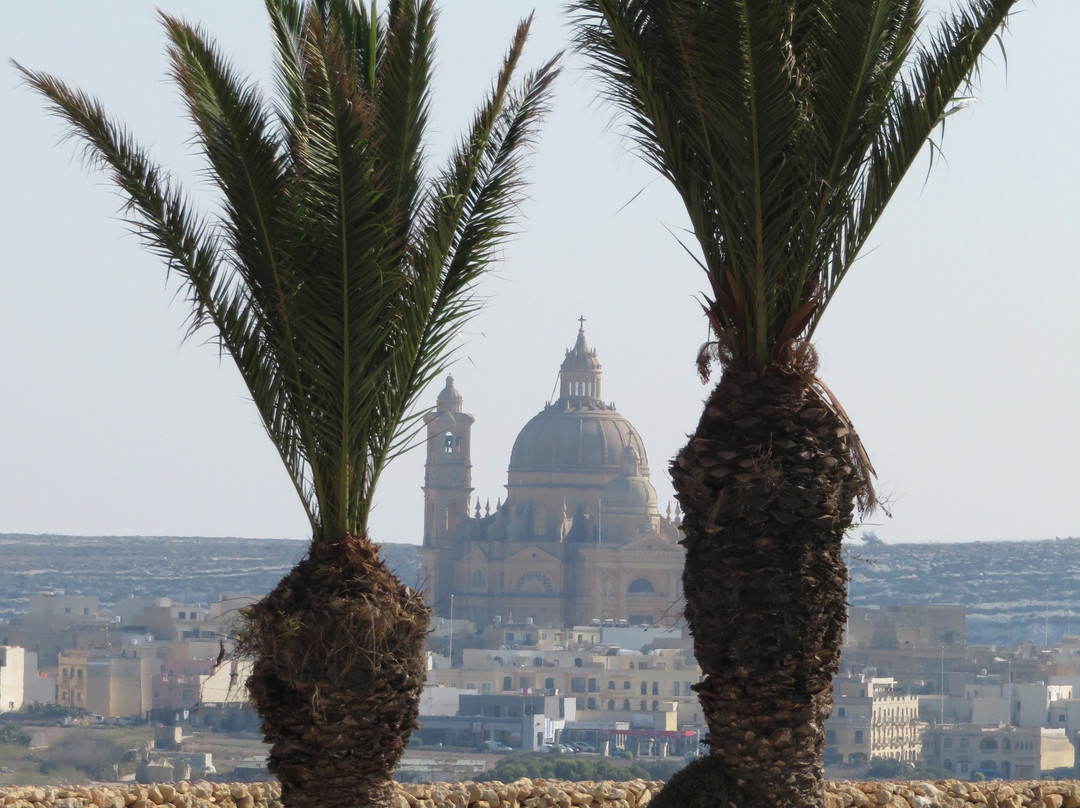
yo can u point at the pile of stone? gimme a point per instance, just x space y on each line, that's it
541 793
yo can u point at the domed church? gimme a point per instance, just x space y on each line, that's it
579 536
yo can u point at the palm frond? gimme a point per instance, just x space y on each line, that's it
191 248
785 126
334 273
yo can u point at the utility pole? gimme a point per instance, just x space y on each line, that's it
943 684
451 651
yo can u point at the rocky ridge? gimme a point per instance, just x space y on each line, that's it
525 793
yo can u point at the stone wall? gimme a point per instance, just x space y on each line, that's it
544 794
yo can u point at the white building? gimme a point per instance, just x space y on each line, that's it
12 678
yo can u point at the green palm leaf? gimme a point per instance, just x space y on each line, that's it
786 127
335 272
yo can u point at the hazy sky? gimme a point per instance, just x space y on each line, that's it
951 343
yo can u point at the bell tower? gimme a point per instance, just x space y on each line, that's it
448 469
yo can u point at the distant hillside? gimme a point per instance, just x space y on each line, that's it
1014 591
185 569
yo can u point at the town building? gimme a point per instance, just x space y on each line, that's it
872 718
614 687
12 678
912 643
579 536
1017 753
107 683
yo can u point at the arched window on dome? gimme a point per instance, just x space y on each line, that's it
640 586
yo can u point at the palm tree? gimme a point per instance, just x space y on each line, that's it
336 274
786 126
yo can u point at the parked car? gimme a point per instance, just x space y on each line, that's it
496 746
561 748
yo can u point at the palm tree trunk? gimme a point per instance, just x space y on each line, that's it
338 671
767 488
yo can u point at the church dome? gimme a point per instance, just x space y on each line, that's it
574 438
579 432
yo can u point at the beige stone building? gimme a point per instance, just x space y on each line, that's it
579 536
1017 753
871 718
651 689
107 683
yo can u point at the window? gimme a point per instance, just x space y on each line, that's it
592 704
626 685
830 737
611 684
842 712
858 736
539 521
611 704
626 704
656 688
675 689
947 765
947 743
508 683
644 705
485 689
549 684
655 706
963 745
686 691
644 688
577 684
593 686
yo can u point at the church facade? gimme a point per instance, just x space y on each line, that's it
579 536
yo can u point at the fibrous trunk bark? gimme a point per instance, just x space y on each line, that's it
338 671
767 486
